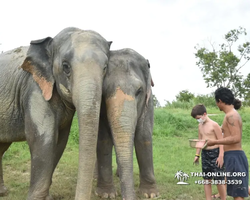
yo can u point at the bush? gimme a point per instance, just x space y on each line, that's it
184 96
208 100
180 104
174 122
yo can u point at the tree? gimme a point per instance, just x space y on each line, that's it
156 102
222 68
184 95
246 83
206 99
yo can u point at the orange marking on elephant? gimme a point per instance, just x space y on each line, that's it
46 86
147 143
115 106
116 102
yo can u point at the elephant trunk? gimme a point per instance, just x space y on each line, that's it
121 113
87 93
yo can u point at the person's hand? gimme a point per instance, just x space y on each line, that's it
210 142
200 144
219 161
196 160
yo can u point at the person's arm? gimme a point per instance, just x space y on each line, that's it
218 134
221 151
198 150
233 126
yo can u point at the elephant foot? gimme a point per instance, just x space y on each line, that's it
106 193
117 172
49 198
95 176
149 191
3 191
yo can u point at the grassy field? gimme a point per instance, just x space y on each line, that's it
173 128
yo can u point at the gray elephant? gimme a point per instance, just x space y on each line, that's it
41 87
126 119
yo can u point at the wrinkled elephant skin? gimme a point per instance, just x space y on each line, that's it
41 87
126 120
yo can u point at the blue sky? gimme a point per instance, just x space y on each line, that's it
163 31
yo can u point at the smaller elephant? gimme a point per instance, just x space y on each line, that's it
126 119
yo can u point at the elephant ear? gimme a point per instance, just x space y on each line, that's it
109 43
152 82
149 84
38 62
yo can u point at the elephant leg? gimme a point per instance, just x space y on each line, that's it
3 148
42 139
61 144
96 171
46 152
105 186
143 148
42 167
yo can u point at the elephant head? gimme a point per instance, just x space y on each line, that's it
73 64
127 93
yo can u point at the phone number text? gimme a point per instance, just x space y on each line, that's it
218 182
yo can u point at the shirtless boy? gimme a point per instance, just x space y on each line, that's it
235 159
212 157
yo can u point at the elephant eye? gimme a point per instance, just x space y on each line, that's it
105 69
66 68
138 91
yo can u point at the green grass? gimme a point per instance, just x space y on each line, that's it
173 128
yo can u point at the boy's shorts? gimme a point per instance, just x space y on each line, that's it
209 167
236 165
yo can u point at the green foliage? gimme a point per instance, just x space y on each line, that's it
207 99
184 96
172 129
173 122
180 104
156 102
15 151
246 83
74 135
245 121
222 67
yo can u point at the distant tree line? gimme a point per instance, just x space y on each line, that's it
185 99
156 102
